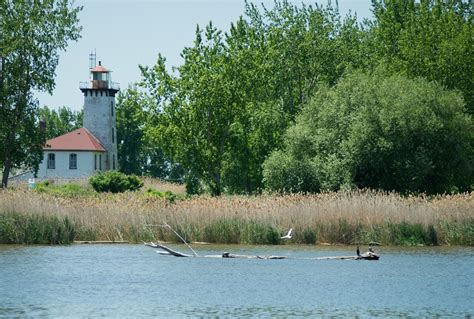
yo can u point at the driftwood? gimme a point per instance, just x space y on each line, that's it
169 251
370 255
228 255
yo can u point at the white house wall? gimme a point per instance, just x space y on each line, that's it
85 164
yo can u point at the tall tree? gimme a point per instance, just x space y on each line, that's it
195 122
227 106
138 151
61 121
130 131
433 39
32 34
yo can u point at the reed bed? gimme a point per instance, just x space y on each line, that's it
357 217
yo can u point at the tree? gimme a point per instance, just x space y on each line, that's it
138 151
60 122
226 108
130 124
381 132
195 122
32 34
430 38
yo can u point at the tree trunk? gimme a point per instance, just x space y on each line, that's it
7 159
6 171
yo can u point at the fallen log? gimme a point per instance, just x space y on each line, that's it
169 251
370 255
228 255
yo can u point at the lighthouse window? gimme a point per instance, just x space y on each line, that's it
73 161
51 161
112 108
113 161
113 135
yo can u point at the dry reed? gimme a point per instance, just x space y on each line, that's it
345 217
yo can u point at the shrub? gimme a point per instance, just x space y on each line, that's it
380 132
168 195
115 182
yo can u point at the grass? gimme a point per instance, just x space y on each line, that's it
31 229
357 217
71 190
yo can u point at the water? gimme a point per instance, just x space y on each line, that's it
134 281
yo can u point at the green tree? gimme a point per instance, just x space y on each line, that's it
195 121
130 131
429 38
32 34
60 122
227 106
138 151
381 132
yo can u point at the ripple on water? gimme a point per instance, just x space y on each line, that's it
134 281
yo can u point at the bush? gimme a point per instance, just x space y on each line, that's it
168 195
381 132
115 182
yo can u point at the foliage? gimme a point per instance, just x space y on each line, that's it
168 195
430 38
226 107
60 122
138 152
115 182
32 34
130 119
381 132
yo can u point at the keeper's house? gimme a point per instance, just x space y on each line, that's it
73 155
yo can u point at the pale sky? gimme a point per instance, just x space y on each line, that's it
126 33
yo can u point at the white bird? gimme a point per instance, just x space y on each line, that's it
288 236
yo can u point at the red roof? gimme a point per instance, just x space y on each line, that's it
99 68
78 140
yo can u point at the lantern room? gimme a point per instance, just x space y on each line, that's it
101 77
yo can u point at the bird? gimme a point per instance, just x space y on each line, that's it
288 236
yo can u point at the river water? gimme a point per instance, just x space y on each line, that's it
135 281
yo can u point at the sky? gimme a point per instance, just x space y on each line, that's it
128 33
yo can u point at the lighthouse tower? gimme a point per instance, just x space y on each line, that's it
99 112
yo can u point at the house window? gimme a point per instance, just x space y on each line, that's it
113 135
72 161
112 108
100 162
51 161
113 161
95 161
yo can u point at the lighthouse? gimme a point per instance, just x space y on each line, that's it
93 147
99 112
